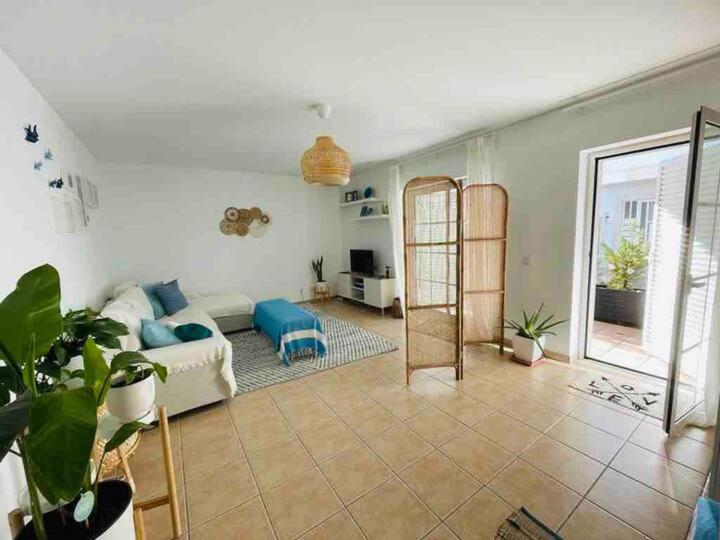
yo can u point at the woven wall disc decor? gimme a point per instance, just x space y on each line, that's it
232 214
243 221
227 227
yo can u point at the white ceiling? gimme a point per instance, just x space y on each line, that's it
225 83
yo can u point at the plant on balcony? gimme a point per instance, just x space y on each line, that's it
53 418
627 261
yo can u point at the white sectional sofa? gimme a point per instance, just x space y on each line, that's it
230 311
199 372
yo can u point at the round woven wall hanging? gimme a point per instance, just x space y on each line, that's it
244 216
232 214
264 219
227 227
241 229
255 213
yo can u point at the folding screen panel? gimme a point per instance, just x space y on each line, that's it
432 214
485 209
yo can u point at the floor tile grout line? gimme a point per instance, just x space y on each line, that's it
393 473
252 474
595 483
329 484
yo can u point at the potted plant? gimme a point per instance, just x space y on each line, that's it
132 395
529 339
320 283
51 425
619 301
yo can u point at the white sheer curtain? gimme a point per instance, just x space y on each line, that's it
395 205
480 157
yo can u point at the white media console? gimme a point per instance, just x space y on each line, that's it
378 292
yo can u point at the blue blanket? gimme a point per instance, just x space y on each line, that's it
291 329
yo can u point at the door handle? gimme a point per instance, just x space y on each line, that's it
699 284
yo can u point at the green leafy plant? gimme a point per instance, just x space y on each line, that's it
532 327
130 375
54 423
318 268
626 262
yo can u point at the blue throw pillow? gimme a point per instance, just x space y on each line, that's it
155 334
158 309
192 332
171 297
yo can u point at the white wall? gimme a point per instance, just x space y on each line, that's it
537 162
164 224
26 222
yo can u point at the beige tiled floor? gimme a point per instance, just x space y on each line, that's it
354 453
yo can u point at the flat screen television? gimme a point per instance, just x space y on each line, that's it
361 261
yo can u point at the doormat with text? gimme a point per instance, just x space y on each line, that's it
634 395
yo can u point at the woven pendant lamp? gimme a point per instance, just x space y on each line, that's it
325 163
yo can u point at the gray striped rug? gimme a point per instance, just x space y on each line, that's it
256 364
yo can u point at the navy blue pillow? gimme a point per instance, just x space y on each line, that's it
192 332
171 297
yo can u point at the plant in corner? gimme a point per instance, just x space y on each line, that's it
53 419
317 265
529 339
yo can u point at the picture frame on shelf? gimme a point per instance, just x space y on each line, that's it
351 196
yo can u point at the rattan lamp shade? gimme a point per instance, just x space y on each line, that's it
325 163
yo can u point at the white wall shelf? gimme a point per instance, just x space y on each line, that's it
369 200
371 217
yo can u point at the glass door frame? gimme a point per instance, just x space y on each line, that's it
701 118
591 279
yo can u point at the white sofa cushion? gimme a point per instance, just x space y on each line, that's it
223 305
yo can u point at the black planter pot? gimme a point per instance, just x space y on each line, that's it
620 306
114 497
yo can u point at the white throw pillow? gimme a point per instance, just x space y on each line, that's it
124 312
139 301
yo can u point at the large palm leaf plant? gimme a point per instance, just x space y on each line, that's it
52 423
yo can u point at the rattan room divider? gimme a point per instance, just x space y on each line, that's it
485 209
432 216
455 244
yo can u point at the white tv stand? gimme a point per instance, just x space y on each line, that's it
373 291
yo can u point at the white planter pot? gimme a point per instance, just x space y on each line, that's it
321 286
526 350
122 529
132 402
